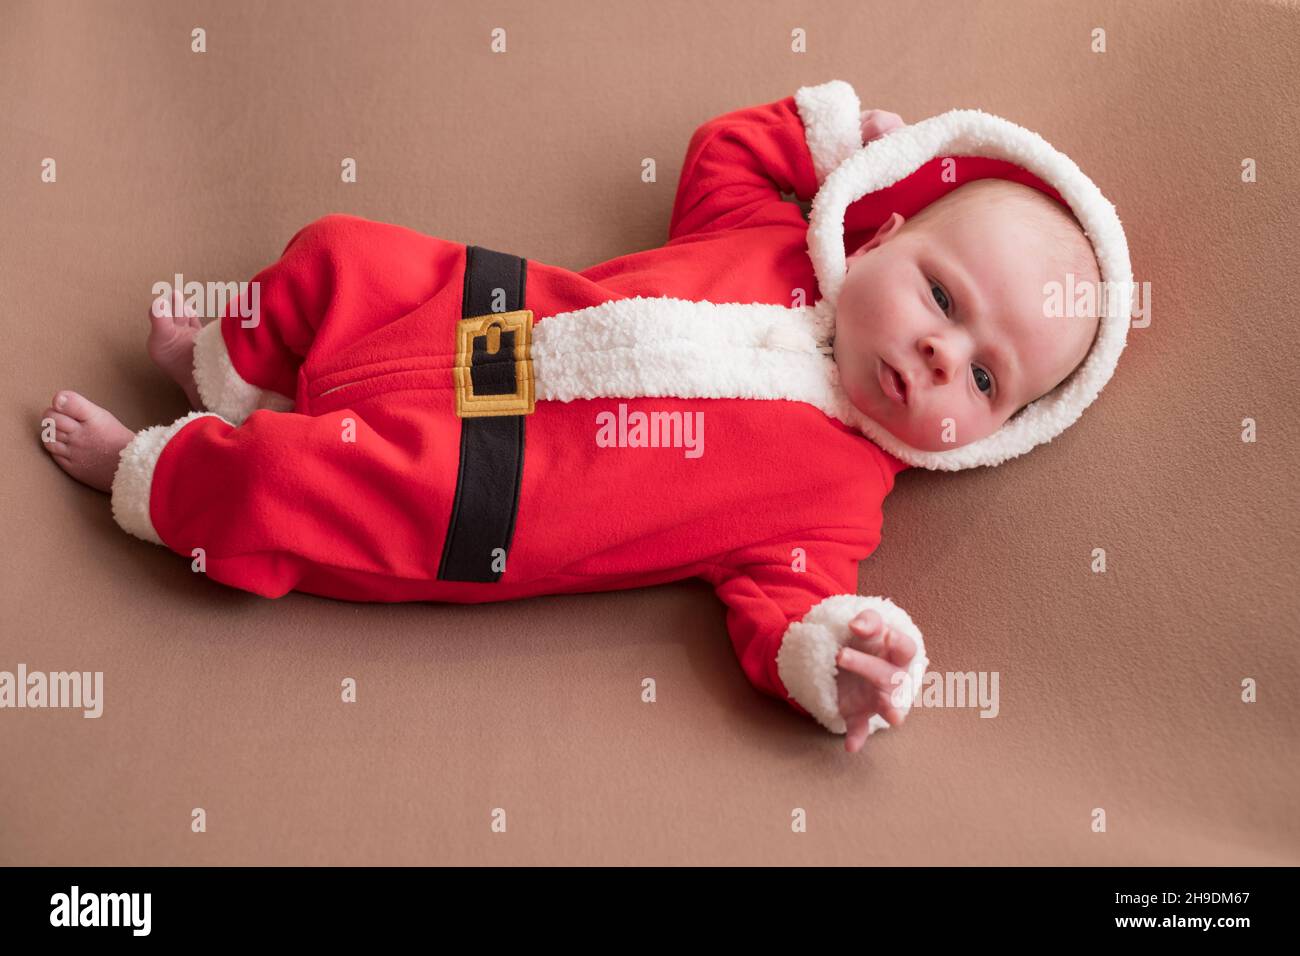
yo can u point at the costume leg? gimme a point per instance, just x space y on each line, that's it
339 278
264 495
264 503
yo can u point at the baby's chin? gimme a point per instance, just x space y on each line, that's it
912 434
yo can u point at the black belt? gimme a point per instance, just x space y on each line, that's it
493 377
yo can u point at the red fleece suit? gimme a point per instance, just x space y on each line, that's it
348 494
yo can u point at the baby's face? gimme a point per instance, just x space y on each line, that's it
944 320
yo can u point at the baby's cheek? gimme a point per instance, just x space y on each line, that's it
974 426
929 430
944 428
847 365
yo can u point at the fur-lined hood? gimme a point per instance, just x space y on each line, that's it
890 174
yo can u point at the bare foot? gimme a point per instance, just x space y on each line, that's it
172 328
86 440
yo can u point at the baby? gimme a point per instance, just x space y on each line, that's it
941 315
364 436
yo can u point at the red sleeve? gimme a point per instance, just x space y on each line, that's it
739 163
765 592
789 605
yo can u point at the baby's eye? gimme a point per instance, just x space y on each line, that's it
940 297
982 380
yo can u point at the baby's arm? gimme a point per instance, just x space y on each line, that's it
788 627
742 161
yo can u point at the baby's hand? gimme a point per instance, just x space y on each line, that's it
872 678
876 123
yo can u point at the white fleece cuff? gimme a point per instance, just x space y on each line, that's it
221 388
133 480
806 660
832 122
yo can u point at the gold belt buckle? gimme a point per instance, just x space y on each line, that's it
492 332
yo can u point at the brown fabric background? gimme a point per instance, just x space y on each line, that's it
1119 691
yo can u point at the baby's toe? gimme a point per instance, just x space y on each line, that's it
176 312
64 425
56 441
166 315
74 405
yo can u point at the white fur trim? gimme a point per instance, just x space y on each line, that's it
891 158
683 348
832 121
806 660
221 388
133 480
651 346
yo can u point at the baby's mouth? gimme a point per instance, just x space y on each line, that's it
891 383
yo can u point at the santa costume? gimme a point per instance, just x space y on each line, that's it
413 419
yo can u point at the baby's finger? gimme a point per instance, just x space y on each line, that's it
881 116
899 648
890 703
877 123
879 673
857 732
866 624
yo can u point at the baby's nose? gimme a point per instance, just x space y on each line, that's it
940 358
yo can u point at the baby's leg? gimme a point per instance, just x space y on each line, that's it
337 279
271 502
265 503
271 326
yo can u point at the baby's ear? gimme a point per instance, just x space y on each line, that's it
886 229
